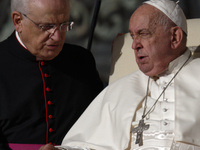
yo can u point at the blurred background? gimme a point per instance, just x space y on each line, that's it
113 18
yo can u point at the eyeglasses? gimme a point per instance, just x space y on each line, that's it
51 28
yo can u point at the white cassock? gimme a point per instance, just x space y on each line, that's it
107 122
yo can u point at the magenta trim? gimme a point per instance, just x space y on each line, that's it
25 146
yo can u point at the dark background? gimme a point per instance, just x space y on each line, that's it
113 18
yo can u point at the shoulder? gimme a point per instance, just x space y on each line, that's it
192 68
8 44
9 39
5 43
75 53
136 79
75 49
194 63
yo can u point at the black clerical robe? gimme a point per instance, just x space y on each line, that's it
41 100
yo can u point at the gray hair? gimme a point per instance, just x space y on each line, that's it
20 5
23 5
159 18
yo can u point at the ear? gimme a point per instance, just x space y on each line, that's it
176 37
17 20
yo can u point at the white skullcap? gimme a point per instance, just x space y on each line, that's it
172 10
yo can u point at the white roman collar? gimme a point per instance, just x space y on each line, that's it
18 38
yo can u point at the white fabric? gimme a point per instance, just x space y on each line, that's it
70 148
160 134
172 10
19 40
106 124
161 119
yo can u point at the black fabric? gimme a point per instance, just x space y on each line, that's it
72 81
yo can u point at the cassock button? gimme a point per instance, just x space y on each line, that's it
48 89
46 75
165 109
51 130
42 63
51 117
52 143
50 103
165 99
165 122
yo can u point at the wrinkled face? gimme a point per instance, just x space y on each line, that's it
43 44
151 43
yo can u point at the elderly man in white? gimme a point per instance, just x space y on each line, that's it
155 108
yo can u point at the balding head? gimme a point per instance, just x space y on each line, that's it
25 6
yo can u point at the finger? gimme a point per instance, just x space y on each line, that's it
47 147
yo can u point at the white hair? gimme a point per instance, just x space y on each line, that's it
20 5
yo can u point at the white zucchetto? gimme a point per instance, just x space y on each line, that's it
172 10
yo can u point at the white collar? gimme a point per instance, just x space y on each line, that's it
19 40
178 62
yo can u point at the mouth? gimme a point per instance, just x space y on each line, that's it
142 59
53 46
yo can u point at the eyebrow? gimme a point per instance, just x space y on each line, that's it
143 29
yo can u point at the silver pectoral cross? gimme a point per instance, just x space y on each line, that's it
139 130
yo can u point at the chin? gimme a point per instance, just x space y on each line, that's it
47 57
51 55
148 72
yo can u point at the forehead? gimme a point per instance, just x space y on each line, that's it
55 7
141 18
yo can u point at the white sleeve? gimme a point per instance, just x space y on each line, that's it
70 148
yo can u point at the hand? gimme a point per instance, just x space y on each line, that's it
48 147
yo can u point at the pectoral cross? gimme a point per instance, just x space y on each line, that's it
139 130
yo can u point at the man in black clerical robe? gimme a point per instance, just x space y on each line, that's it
41 100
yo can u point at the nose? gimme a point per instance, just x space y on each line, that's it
55 34
136 44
